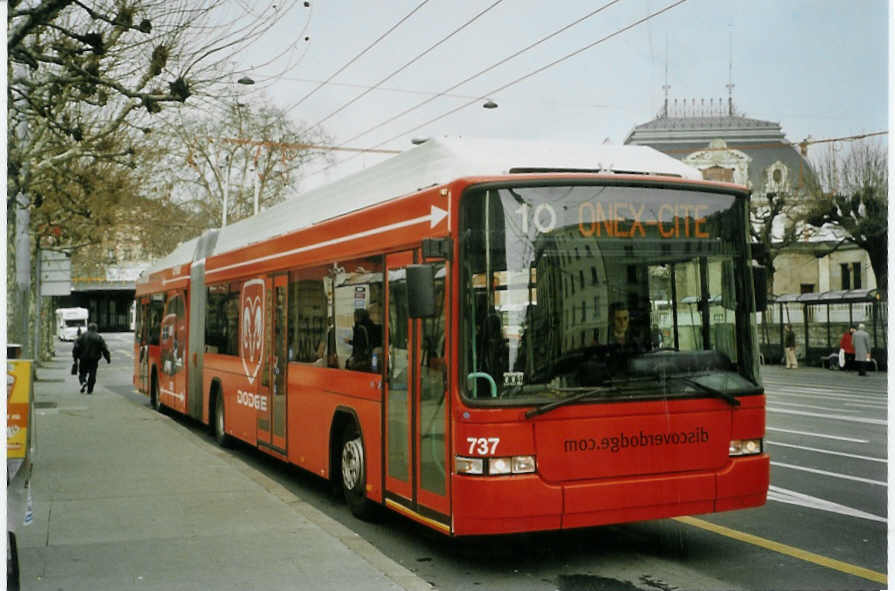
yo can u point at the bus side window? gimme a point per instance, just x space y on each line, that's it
156 307
215 321
357 305
308 316
231 313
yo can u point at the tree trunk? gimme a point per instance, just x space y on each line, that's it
21 312
880 262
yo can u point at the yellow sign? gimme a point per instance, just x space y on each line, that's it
632 220
18 408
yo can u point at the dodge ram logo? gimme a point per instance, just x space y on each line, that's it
251 345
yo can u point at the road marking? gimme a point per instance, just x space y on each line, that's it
837 437
827 395
877 405
831 563
821 415
782 495
851 386
827 451
801 405
833 474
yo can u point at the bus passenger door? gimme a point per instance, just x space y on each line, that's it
172 375
141 339
415 402
398 417
433 464
271 395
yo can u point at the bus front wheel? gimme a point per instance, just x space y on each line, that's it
354 475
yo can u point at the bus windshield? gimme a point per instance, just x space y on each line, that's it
604 291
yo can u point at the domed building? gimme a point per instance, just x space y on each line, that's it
728 146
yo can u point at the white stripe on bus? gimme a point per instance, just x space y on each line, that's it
435 215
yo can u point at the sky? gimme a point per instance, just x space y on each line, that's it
817 67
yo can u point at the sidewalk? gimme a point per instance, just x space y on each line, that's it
124 498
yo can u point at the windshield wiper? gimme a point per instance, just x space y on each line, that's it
557 403
729 398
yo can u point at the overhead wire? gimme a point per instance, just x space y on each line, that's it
409 63
381 88
524 77
293 62
493 91
482 72
358 56
235 41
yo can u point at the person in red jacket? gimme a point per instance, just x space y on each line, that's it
845 343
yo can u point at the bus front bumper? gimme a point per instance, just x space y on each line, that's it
500 505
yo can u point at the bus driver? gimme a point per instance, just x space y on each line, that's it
621 319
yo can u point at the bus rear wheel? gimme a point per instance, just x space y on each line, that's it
220 433
153 394
354 473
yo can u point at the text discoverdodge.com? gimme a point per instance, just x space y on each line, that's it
624 441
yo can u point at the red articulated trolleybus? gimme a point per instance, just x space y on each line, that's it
484 336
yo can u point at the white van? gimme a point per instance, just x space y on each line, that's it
70 322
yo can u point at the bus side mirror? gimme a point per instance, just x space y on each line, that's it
760 287
438 248
421 290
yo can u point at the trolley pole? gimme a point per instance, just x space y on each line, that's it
226 196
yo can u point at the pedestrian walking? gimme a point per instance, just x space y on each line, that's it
861 342
848 348
790 344
88 349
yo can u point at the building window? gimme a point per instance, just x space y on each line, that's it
856 275
718 173
806 288
846 275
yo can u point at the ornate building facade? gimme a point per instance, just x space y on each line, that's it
727 146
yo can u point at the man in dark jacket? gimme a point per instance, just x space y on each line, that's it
87 351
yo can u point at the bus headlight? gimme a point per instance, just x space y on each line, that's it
745 447
495 466
469 465
498 466
524 464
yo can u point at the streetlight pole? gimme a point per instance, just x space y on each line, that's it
257 189
226 195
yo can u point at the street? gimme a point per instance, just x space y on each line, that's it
824 525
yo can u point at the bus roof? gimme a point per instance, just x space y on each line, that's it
437 161
72 312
